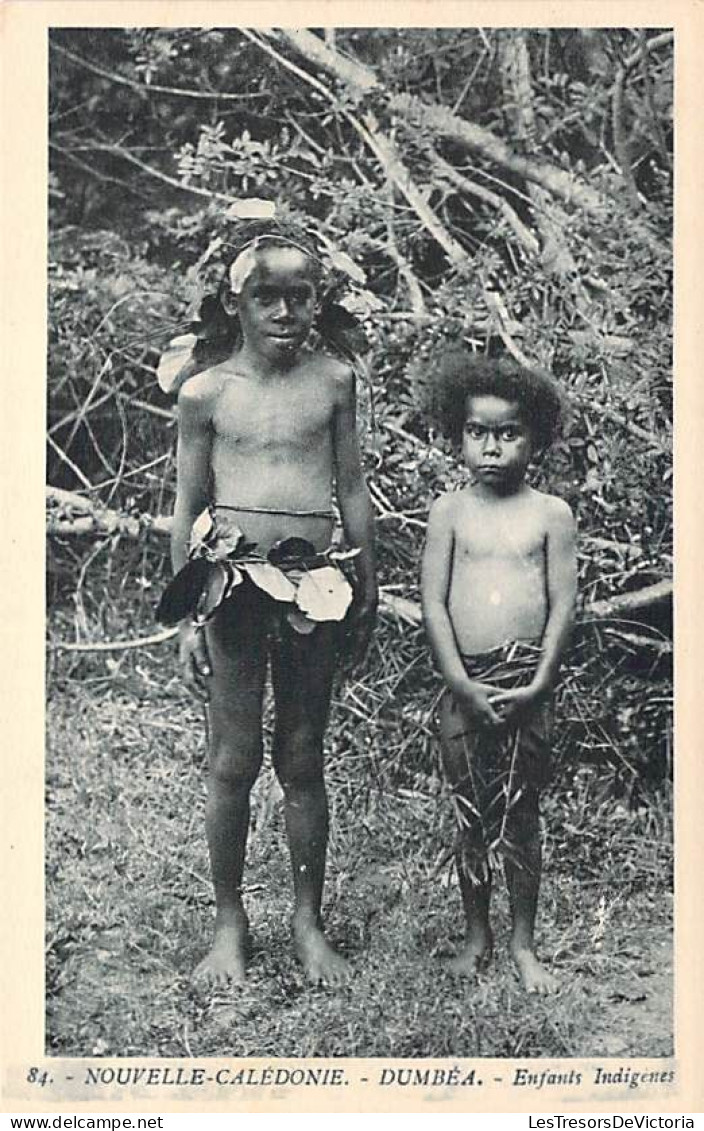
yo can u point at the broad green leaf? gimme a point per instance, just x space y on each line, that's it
180 598
341 261
291 550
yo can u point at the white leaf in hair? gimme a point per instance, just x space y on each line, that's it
172 367
251 208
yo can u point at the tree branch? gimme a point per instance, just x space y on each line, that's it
118 645
92 518
117 151
459 181
382 148
152 88
69 463
450 126
95 519
619 136
397 172
627 603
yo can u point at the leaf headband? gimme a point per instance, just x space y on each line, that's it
245 262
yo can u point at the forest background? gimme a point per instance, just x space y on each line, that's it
512 188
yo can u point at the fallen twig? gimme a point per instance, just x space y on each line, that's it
118 645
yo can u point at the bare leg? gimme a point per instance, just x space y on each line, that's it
475 886
472 863
302 674
237 647
523 880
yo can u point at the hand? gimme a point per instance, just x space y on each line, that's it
517 701
194 660
477 699
359 627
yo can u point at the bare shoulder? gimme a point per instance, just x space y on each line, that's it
444 510
335 375
557 514
198 394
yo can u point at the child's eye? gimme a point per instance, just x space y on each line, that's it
301 296
510 432
474 430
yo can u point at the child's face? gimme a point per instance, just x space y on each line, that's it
497 443
277 302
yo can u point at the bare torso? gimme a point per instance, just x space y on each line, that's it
498 582
272 449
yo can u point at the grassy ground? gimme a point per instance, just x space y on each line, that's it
130 906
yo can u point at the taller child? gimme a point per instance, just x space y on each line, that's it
264 437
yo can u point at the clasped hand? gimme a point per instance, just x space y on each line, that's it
495 706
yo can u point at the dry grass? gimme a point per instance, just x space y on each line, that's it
129 902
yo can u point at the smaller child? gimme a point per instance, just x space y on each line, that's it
499 587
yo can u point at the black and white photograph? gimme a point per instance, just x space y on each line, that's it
359 542
359 657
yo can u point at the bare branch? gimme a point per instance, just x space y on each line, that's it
626 603
450 126
397 172
103 177
69 463
649 45
118 645
125 154
382 148
92 518
405 270
619 135
153 88
524 235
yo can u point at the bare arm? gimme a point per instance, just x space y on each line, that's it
355 508
352 493
561 565
192 466
435 584
561 568
192 482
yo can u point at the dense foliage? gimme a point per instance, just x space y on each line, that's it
511 189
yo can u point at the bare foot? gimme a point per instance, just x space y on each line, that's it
225 962
535 978
474 957
320 960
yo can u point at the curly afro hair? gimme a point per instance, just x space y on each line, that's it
456 374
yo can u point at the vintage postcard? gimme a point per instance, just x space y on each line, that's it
351 751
